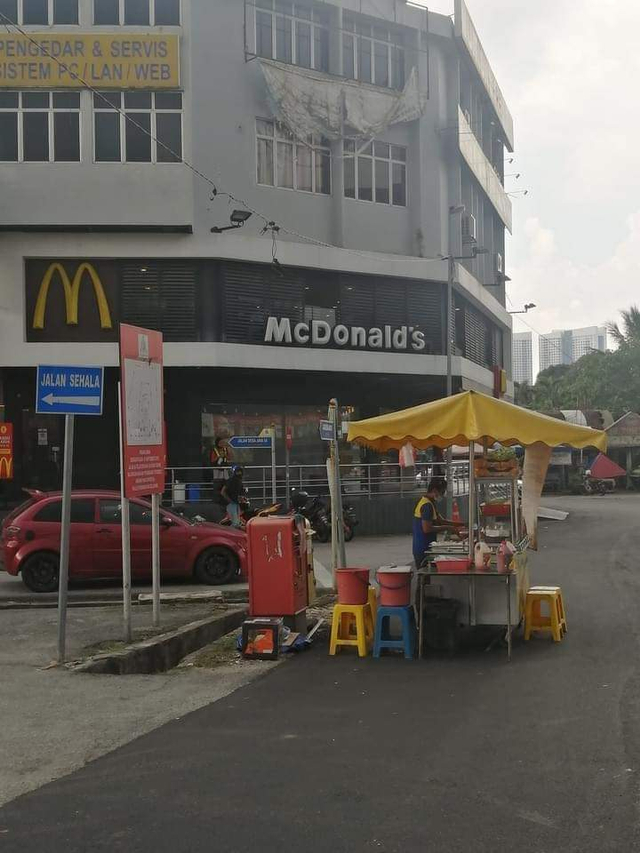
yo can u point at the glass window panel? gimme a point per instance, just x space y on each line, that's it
110 512
66 137
348 23
321 49
263 127
303 44
138 143
381 149
284 6
264 35
106 100
399 184
9 137
107 137
139 514
283 131
365 179
35 129
169 131
382 181
380 32
65 11
349 146
167 13
136 12
106 12
364 60
35 100
398 152
66 100
381 63
35 12
303 11
265 4
8 100
321 15
168 101
323 172
137 100
265 162
366 149
9 8
285 165
348 62
397 68
363 28
283 39
304 172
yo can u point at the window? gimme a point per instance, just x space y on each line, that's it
111 512
82 511
375 171
157 13
283 161
43 12
372 53
40 127
152 116
297 33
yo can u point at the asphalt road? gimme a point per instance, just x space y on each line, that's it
338 754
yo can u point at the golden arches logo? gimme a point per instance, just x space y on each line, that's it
71 295
6 466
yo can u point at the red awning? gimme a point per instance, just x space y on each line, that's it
606 469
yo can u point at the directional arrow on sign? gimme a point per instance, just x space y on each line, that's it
52 399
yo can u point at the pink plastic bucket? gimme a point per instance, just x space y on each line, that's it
353 586
395 586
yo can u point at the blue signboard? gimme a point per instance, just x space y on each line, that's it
327 432
251 442
67 390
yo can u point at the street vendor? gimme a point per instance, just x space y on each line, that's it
427 521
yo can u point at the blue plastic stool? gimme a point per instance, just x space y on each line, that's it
383 640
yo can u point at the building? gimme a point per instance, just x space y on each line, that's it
568 345
366 139
523 357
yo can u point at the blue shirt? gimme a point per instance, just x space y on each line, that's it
425 511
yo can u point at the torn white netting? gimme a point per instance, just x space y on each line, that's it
309 103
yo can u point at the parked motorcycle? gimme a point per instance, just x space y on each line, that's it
247 512
350 521
593 486
314 510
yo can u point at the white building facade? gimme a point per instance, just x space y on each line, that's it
566 346
365 139
523 357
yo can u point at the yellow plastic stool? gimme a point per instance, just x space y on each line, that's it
373 603
555 622
349 622
341 634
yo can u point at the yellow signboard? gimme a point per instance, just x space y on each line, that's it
70 61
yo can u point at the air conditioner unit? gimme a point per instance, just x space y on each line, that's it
469 229
499 264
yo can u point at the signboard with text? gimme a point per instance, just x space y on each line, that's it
6 451
69 390
142 411
107 61
250 442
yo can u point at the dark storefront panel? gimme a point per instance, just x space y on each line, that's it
477 338
163 297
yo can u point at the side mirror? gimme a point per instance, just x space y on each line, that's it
166 520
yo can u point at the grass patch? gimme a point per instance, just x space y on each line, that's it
220 653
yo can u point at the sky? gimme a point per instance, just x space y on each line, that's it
569 70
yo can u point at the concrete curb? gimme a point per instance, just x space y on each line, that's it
165 651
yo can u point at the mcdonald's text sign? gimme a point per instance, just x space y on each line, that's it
6 451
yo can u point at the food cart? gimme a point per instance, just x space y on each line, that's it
498 512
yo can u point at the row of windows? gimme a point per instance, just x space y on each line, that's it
45 127
375 171
105 12
298 33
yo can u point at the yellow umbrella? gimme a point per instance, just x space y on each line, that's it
469 417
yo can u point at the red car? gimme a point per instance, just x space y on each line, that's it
30 539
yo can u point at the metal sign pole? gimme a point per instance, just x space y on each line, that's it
63 580
274 478
126 533
336 510
287 472
155 557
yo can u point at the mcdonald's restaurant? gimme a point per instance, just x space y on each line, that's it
246 346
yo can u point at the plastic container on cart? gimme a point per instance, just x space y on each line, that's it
352 585
395 585
460 565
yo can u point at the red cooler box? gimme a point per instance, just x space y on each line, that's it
277 566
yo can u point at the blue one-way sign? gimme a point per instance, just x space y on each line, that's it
250 442
69 390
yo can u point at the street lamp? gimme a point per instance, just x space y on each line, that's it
526 308
237 219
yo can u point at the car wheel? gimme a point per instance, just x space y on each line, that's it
216 565
41 572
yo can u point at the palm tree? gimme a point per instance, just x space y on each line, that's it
629 334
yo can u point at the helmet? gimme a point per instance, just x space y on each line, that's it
236 469
299 498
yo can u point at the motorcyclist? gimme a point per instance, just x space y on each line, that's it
232 493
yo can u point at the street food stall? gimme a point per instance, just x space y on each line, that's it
487 574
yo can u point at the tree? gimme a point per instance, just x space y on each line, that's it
523 395
629 335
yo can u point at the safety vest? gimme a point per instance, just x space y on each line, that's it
417 513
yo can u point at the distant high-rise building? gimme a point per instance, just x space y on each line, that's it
523 357
566 346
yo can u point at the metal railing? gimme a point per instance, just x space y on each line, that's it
195 484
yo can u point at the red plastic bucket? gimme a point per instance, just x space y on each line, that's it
353 586
395 586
